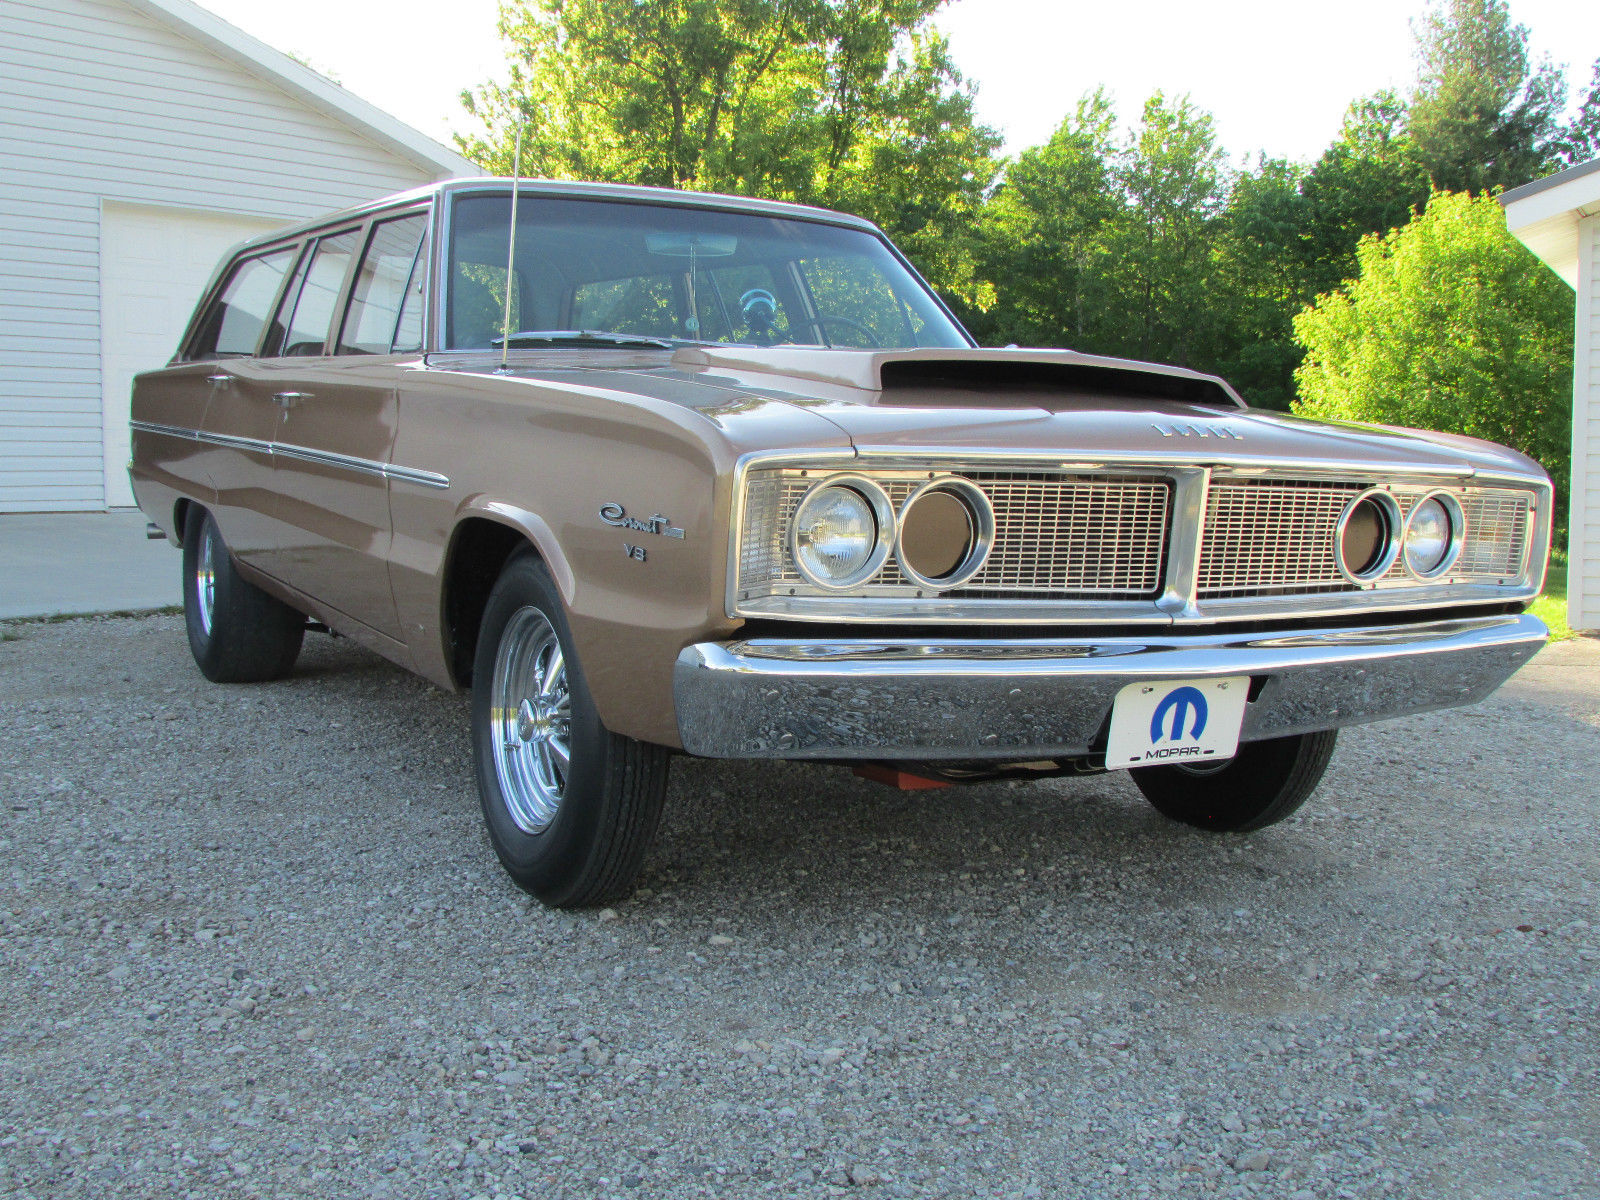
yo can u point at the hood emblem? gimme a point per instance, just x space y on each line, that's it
1216 431
613 513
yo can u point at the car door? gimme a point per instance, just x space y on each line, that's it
238 420
335 392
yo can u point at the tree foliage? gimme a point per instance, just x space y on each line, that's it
1581 142
1451 324
846 103
1482 116
1413 303
1103 239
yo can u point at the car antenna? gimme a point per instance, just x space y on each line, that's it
511 250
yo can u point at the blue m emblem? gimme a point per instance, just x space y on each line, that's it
1180 702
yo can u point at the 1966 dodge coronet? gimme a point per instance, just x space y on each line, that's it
668 472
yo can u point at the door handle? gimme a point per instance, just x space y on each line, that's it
289 399
219 379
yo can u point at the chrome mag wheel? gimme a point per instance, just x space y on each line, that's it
531 712
205 580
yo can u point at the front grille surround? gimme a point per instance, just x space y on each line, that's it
1141 544
1044 543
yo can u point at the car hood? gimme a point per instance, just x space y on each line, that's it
1009 403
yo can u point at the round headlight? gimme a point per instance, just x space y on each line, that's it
1433 536
838 532
1367 538
945 530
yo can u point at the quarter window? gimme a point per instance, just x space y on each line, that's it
319 294
381 286
233 324
408 333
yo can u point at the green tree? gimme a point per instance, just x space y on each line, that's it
845 103
1482 117
1581 142
1103 241
1173 179
1042 235
1368 181
1258 282
1451 324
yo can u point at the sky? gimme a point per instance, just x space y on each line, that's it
1276 74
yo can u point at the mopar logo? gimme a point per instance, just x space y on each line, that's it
1180 702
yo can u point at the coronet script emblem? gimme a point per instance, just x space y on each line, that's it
1216 431
614 514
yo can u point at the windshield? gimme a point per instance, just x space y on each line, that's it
589 270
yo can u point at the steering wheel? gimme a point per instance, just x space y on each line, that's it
760 309
819 321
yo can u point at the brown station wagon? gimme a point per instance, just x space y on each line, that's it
653 472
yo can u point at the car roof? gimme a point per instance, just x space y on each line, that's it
574 189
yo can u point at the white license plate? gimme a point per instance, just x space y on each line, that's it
1162 722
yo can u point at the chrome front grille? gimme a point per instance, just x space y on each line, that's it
1497 535
1067 544
1266 537
1083 536
1055 535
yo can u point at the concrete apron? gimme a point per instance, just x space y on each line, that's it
65 564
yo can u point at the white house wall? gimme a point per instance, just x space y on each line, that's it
99 103
1583 567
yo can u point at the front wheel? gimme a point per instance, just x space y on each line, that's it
1260 785
570 807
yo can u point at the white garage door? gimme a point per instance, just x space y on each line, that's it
153 263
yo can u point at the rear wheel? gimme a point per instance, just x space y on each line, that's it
1260 785
237 633
570 807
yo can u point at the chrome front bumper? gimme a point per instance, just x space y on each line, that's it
1019 699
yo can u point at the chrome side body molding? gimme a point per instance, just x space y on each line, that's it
345 462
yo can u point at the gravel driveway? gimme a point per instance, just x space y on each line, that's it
254 943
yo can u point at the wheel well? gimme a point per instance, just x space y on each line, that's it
478 552
180 519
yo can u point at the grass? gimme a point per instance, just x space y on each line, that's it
1551 607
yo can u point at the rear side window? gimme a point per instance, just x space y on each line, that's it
318 295
380 287
232 325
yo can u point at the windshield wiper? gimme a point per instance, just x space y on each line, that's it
579 337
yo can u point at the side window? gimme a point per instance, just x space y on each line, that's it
408 333
380 287
278 332
319 294
233 324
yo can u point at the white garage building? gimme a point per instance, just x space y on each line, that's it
1558 218
139 139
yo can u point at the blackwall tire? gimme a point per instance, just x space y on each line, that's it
1259 786
237 633
570 807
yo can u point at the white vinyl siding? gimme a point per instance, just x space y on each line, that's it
1583 566
101 104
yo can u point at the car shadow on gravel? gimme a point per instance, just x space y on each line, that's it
764 829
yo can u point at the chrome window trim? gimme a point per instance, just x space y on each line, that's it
325 458
1178 602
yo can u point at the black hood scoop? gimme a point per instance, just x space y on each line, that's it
961 381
